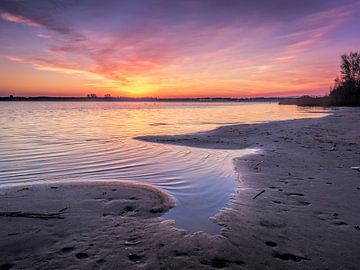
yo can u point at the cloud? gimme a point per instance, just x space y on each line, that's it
313 29
36 19
42 35
7 16
169 43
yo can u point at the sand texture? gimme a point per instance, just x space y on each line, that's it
296 207
307 213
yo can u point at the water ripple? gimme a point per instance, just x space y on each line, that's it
69 141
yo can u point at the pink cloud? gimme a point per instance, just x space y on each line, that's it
18 19
313 29
41 35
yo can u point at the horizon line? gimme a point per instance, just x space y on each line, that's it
144 97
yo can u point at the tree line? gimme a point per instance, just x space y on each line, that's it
346 88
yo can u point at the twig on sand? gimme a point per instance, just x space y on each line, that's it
62 210
257 164
34 215
257 195
25 188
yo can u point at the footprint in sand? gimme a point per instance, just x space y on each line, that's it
100 261
271 225
135 257
332 218
288 257
339 222
128 208
6 266
221 262
82 255
303 203
271 244
298 201
67 249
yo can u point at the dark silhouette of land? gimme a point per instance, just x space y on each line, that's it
106 98
346 89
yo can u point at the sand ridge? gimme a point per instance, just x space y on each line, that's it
41 222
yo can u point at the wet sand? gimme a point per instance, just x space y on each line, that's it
296 207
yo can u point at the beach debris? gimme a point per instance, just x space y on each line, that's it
56 215
22 189
12 234
129 243
257 164
356 168
256 167
257 195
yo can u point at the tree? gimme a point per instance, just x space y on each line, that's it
92 96
350 68
346 90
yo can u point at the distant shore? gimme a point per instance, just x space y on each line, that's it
148 99
295 208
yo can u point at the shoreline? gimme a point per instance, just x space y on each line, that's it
293 205
303 220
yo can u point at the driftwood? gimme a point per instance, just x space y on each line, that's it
257 195
56 215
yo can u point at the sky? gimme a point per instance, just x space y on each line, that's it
183 48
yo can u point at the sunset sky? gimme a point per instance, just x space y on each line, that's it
174 48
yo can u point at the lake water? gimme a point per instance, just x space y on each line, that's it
47 141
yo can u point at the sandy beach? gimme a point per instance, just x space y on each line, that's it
295 207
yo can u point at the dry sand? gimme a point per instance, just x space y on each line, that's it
306 214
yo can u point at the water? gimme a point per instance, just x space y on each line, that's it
45 141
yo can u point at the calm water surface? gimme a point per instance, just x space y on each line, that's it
45 141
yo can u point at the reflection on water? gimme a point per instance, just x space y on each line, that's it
44 141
